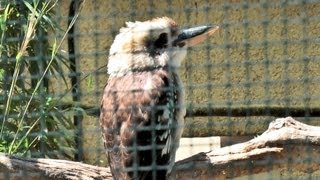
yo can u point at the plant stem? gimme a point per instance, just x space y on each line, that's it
54 52
28 36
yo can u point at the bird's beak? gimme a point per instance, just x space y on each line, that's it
194 36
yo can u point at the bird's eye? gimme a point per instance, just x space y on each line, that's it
162 41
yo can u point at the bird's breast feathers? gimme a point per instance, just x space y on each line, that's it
142 101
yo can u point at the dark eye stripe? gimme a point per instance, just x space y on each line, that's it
162 41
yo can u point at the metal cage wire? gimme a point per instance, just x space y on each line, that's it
262 64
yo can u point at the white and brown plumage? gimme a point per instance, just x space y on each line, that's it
142 107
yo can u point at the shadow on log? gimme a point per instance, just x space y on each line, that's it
287 144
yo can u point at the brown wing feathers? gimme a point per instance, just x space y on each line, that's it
132 106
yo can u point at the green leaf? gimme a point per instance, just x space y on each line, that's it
90 82
22 126
1 74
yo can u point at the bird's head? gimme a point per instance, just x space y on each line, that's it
156 43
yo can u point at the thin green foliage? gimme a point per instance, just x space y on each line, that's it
32 22
32 119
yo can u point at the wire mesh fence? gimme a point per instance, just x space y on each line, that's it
261 64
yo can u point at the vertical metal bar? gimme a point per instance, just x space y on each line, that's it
227 65
266 70
44 85
285 60
306 79
75 82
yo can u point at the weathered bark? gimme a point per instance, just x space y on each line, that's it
287 144
15 167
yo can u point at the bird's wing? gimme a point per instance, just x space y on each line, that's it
138 111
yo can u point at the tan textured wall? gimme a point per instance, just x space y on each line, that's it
237 73
236 65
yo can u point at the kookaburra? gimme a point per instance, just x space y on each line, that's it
142 109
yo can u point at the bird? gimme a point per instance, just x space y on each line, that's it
143 107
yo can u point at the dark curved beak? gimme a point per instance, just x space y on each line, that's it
195 35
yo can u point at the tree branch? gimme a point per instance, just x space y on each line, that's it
50 168
285 138
287 144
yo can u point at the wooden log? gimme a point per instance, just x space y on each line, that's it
286 144
13 167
